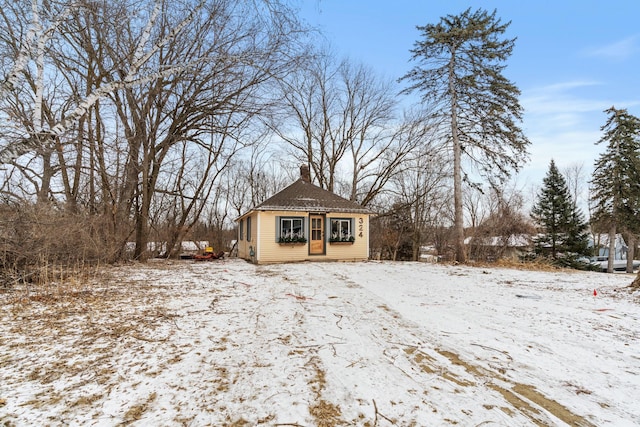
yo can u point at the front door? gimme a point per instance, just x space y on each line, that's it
316 244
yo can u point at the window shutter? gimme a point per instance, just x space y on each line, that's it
327 229
305 230
277 229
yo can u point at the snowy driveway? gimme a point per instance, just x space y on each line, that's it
367 344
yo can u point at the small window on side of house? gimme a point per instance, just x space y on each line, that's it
248 229
241 230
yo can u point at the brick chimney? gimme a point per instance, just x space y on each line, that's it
304 173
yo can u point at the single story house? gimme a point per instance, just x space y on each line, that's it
304 222
601 243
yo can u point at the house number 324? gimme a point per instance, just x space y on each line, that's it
360 227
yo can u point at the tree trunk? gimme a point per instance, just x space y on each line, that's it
457 200
47 175
461 255
142 224
631 245
612 248
142 214
417 230
64 172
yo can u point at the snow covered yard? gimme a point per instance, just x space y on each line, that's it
227 343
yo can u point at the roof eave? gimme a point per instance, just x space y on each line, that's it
312 209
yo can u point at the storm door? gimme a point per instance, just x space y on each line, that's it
316 242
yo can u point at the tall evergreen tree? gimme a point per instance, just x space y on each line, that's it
459 74
562 223
615 184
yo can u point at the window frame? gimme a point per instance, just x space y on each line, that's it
349 237
299 237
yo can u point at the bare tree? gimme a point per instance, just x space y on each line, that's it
340 119
576 178
308 121
221 92
376 162
503 223
134 93
140 57
420 190
476 206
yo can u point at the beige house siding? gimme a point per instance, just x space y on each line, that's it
270 251
267 250
359 250
246 247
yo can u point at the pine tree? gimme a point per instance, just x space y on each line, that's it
459 74
615 184
562 223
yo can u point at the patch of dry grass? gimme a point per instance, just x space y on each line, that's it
78 323
539 264
325 414
136 412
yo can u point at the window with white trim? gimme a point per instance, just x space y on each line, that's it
241 227
290 230
341 230
248 229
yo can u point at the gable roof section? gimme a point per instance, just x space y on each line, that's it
304 196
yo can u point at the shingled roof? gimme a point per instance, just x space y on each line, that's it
304 196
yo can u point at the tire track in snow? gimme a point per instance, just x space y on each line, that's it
521 397
517 398
370 360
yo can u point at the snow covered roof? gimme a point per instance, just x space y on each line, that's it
513 241
603 240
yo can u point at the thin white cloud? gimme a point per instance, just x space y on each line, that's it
568 104
559 102
564 86
562 121
619 50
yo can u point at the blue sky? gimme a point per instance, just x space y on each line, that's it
572 60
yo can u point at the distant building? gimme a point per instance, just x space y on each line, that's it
495 247
601 243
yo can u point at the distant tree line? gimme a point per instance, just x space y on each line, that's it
128 127
122 121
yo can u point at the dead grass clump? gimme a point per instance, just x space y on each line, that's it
326 414
54 285
87 400
34 237
537 264
136 411
241 422
424 361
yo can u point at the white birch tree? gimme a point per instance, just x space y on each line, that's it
130 92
